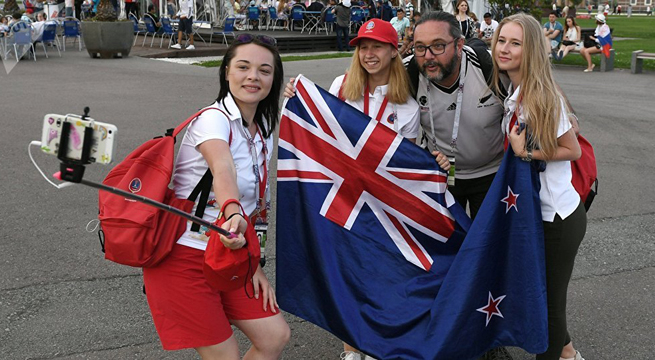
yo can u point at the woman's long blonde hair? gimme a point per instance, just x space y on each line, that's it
398 90
539 97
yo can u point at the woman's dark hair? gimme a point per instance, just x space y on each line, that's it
269 107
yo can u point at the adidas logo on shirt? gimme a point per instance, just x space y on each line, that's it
452 107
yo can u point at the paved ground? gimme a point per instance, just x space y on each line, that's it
60 300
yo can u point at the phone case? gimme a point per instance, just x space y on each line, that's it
102 147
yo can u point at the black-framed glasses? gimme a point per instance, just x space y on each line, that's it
435 49
246 38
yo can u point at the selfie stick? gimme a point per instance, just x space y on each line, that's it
72 170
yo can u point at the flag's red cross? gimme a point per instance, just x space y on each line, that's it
510 200
491 308
359 175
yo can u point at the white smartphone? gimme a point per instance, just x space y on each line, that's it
102 145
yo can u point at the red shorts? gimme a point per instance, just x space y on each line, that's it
187 312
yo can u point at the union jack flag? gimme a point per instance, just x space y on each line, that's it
372 247
363 169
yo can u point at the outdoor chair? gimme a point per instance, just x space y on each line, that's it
50 37
167 30
137 29
72 29
22 37
356 17
227 30
297 14
329 21
150 29
253 16
272 18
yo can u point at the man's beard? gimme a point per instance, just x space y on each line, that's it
445 72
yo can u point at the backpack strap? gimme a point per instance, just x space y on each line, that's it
203 188
186 122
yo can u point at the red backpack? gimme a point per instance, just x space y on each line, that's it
136 234
584 173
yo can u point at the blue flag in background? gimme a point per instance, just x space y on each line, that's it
373 248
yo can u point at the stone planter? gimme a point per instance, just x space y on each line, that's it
108 39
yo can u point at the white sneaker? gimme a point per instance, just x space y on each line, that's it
350 355
190 47
176 46
369 358
576 357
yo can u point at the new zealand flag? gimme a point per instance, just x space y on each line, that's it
372 247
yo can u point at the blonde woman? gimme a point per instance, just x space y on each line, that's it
571 39
518 50
377 84
282 13
466 23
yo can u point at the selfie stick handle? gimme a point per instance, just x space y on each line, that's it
158 205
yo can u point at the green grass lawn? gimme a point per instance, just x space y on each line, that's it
640 28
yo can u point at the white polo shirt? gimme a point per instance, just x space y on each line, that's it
557 194
402 118
190 165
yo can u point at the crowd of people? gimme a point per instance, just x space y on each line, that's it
565 38
471 125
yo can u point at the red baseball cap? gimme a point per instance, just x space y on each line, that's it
379 30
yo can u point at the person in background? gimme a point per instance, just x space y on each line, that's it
385 11
407 48
372 9
282 12
185 14
553 32
155 18
4 26
400 23
69 7
342 12
172 9
409 9
466 23
487 29
536 101
601 30
571 40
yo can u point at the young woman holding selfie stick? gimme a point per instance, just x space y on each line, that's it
235 144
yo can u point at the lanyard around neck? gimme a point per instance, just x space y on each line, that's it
458 106
260 185
382 107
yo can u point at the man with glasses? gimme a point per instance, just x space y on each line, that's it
460 115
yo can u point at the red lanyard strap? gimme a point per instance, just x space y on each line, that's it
382 107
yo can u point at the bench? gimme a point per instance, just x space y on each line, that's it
606 64
638 57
